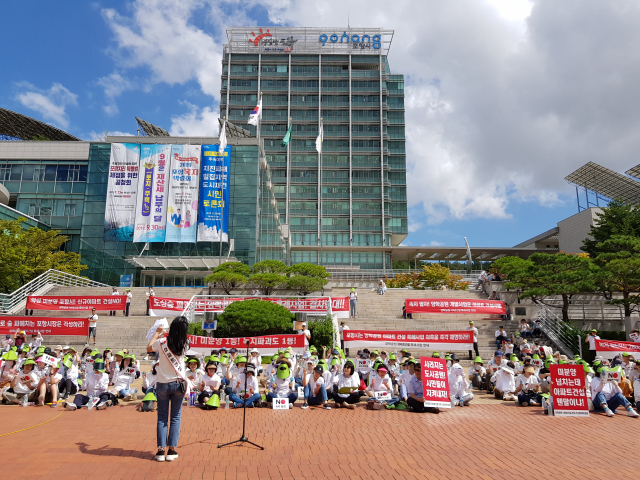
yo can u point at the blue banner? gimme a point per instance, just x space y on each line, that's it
213 212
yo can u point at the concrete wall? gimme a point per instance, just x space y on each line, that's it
573 230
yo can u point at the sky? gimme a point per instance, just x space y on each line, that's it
504 98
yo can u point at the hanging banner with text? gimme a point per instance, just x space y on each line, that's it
213 213
268 344
162 306
107 302
433 340
435 382
610 348
151 206
44 325
122 191
569 395
182 205
448 305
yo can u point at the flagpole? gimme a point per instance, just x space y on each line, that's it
320 132
221 152
260 200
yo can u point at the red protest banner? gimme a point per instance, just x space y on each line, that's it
44 325
433 340
611 348
106 302
166 307
569 395
267 344
435 382
454 305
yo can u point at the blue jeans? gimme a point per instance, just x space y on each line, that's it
315 400
528 397
253 398
403 392
614 402
292 397
124 392
169 392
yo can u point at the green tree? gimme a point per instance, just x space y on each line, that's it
322 334
616 219
229 276
433 276
546 275
305 278
620 262
253 318
269 275
25 254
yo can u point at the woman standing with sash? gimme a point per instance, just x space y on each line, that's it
171 384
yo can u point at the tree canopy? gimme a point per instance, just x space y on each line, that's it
229 276
305 278
616 219
254 318
25 254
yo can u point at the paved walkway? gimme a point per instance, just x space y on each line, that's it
489 440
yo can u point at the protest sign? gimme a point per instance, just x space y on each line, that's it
435 382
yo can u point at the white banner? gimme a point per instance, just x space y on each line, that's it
151 209
122 189
184 183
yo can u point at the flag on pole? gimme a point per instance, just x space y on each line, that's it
223 137
320 138
256 115
287 137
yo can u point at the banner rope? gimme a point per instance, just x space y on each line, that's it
34 426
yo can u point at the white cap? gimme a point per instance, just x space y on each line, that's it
66 347
58 347
254 350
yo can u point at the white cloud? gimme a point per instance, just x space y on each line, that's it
414 226
51 103
435 243
101 137
113 84
196 122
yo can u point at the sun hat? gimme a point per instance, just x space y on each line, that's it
478 360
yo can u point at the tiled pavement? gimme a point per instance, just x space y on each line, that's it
488 440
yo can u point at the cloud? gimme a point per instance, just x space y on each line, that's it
51 104
113 84
435 243
414 226
101 137
196 122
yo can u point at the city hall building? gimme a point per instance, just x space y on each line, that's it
344 207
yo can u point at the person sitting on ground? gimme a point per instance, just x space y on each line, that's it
23 354
504 382
458 384
283 385
415 401
628 365
194 372
315 393
328 377
48 386
406 315
68 385
537 329
252 392
500 335
9 368
233 372
494 296
381 382
209 385
526 350
494 364
346 393
24 384
123 380
478 374
524 329
256 360
97 385
405 376
607 395
149 379
528 388
507 347
382 288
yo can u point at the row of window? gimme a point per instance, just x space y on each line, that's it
43 173
340 85
337 221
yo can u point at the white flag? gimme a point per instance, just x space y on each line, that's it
319 139
223 137
256 115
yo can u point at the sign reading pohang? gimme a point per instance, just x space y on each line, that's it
357 41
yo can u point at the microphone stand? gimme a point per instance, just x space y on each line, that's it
243 438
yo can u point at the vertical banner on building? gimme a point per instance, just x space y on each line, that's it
182 204
435 382
569 395
213 214
122 188
151 208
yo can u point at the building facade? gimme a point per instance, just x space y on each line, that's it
354 193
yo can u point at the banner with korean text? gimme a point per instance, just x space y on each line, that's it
435 382
151 205
122 191
610 348
44 325
430 340
569 395
161 306
268 344
182 203
213 212
457 305
107 302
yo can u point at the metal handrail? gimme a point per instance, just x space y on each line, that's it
590 309
556 330
41 284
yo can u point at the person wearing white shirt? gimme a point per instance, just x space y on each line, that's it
381 382
256 360
36 341
129 296
315 393
458 383
24 383
7 343
149 380
114 291
478 374
607 396
353 302
307 335
404 377
416 395
282 384
494 364
382 288
346 392
591 340
508 348
93 320
343 327
233 372
504 382
209 384
500 335
251 394
194 372
528 388
124 378
473 329
634 336
48 386
97 384
628 365
636 385
149 294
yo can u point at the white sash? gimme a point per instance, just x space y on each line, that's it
175 363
